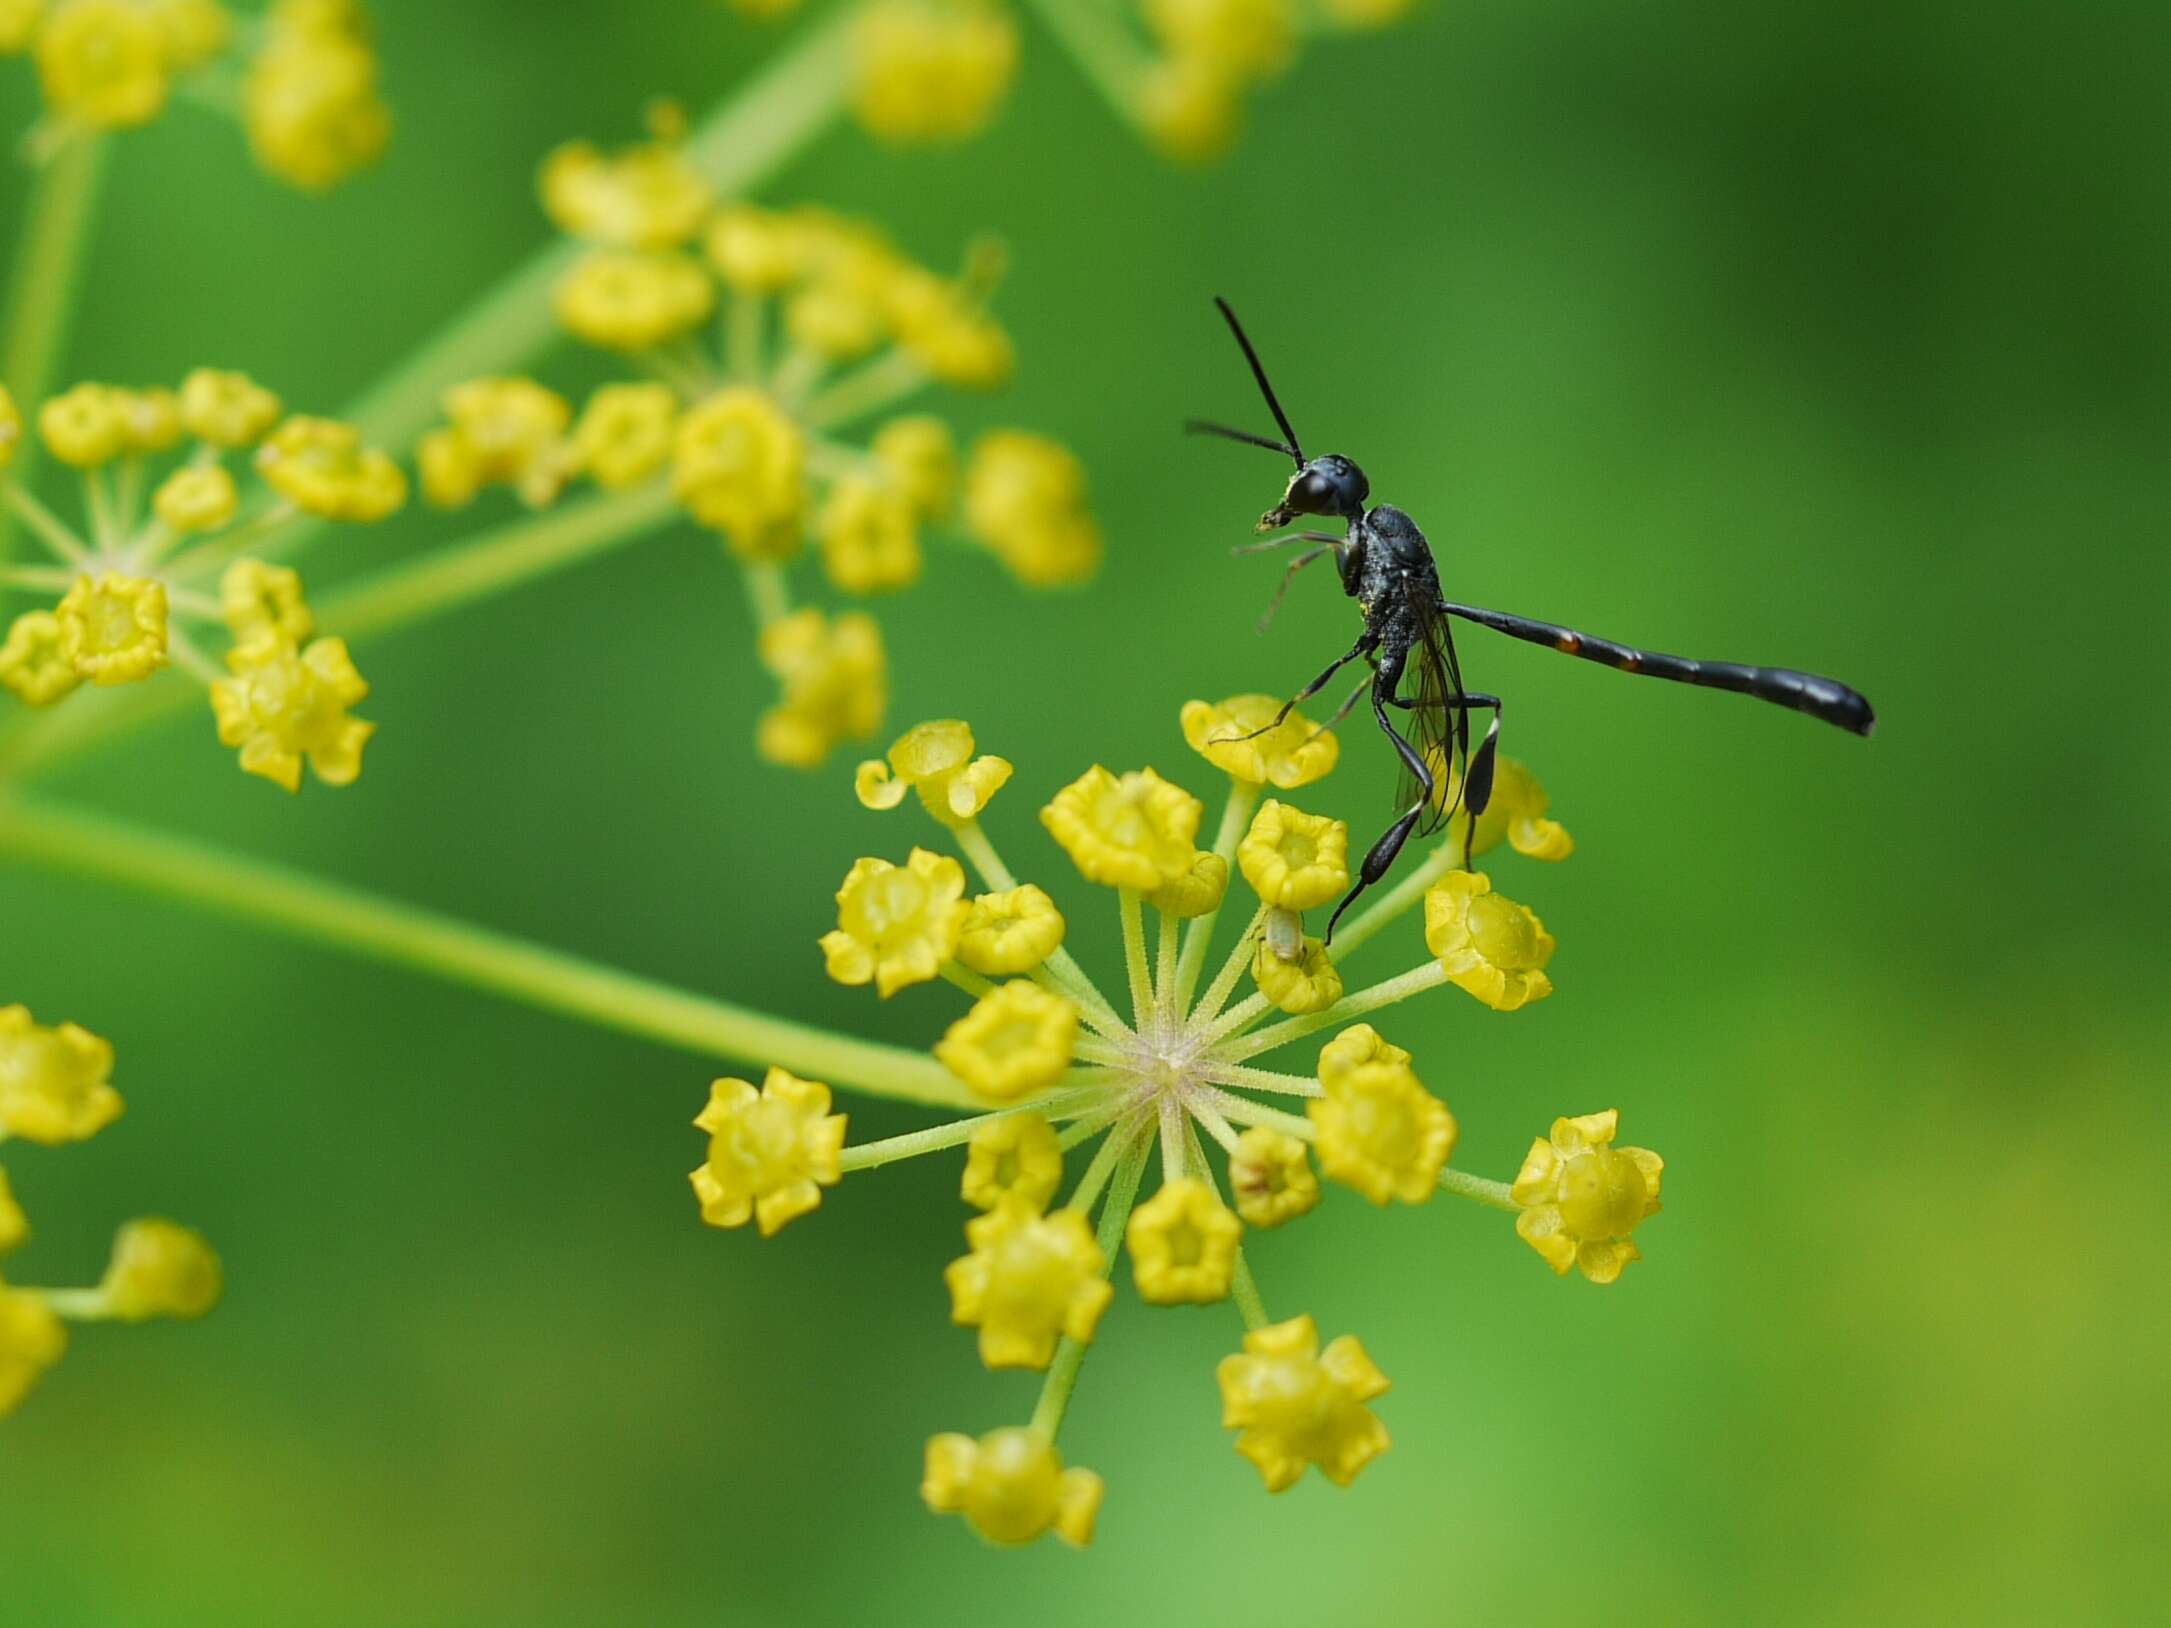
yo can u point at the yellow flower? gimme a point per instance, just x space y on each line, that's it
256 599
896 924
323 468
14 1225
285 703
1292 859
1014 1041
1297 1405
1381 1132
102 63
150 419
870 544
932 70
1135 831
1515 815
1016 1157
1025 499
1247 39
1189 108
1183 1244
193 500
227 410
1010 1486
739 466
1489 946
1582 1196
83 427
1029 1280
194 31
919 455
114 629
1198 890
1010 932
11 418
159 1269
1294 753
943 326
311 107
55 1084
834 681
642 197
770 1151
935 759
1356 1045
1271 1175
624 433
625 300
504 432
19 20
34 662
757 251
32 1339
1311 983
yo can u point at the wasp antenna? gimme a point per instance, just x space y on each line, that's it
1200 426
1295 448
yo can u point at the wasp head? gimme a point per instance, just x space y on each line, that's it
1330 486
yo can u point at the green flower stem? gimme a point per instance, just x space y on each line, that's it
768 595
42 292
1114 61
1404 893
1425 975
1239 1017
966 979
1225 980
1261 1079
1164 970
54 532
881 383
1088 1125
1199 937
44 579
1248 1304
873 1155
324 912
1106 1157
1134 955
1070 1354
1246 1112
1175 1126
459 575
1497 1194
77 1305
745 331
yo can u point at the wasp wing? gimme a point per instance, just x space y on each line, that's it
1440 720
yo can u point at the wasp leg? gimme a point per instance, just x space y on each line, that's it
1362 647
1477 783
1384 852
1299 563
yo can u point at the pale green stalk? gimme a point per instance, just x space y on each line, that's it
328 913
1134 956
1498 1194
873 1155
1198 938
1426 975
1070 1354
53 531
1248 1304
1232 969
1246 1112
1114 61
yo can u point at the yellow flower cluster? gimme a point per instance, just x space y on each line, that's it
1052 1062
932 70
155 546
309 101
765 336
55 1088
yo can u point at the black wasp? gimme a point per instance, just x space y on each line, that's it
1387 567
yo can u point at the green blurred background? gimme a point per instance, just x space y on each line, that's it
1833 334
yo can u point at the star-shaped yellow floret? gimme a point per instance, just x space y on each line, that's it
1010 1486
1183 1244
1582 1196
159 1269
113 628
1270 1174
1296 1405
919 455
1010 932
286 704
83 426
1290 754
102 63
931 70
227 410
323 468
32 1339
55 1083
310 101
770 1151
1489 946
739 466
869 535
1292 859
835 683
1129 831
34 661
1029 1280
1198 891
256 599
196 500
1025 499
936 760
642 197
634 300
1016 1040
624 434
1310 983
896 924
1381 1132
1016 1157
500 432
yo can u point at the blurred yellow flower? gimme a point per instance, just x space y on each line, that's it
159 1269
932 70
834 682
192 500
34 661
228 410
1010 1486
1015 1157
55 1083
31 1341
625 433
287 703
1295 1404
1183 1244
870 541
1030 1279
1381 1132
322 467
1025 499
739 467
896 924
114 629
